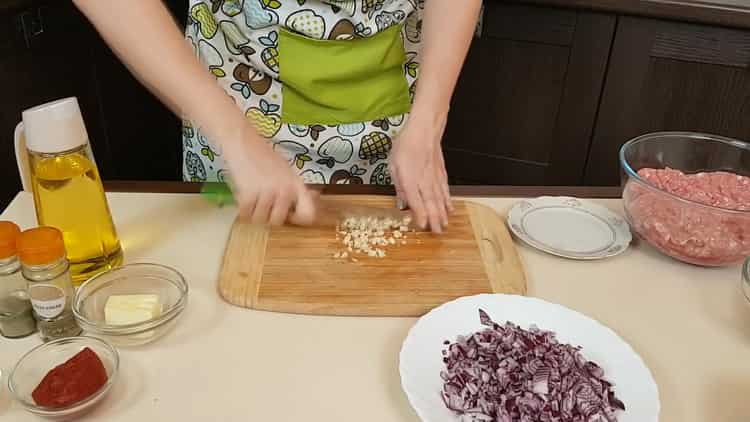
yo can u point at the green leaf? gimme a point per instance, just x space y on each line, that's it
411 68
208 153
218 72
300 163
305 157
272 4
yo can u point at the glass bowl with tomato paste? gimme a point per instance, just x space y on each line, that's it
688 195
64 378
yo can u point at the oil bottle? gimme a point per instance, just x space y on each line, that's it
68 192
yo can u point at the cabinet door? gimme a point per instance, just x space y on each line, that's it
526 101
143 135
670 76
45 54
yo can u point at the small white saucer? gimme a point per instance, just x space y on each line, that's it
569 227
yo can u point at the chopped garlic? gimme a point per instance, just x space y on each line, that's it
367 235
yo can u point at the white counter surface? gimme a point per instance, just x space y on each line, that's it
221 363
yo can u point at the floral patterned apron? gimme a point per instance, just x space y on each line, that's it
331 106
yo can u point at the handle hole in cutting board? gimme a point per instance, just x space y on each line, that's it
498 251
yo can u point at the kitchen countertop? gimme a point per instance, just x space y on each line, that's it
718 12
690 325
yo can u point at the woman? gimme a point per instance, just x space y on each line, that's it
327 86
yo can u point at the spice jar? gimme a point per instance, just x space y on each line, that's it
16 317
49 284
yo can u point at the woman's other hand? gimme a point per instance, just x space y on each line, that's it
265 188
418 170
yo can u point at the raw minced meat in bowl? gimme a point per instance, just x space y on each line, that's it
688 195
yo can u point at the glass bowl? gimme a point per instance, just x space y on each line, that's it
34 365
683 229
165 282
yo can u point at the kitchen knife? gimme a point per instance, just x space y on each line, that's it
330 212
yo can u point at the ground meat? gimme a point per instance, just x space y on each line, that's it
507 374
718 189
691 233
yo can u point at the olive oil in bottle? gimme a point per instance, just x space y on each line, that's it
68 192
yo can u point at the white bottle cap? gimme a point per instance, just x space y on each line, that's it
54 127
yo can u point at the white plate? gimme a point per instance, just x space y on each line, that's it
421 357
569 227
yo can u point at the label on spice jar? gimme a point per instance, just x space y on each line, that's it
47 300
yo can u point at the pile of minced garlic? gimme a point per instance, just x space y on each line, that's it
370 236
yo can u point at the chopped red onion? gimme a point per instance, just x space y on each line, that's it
508 374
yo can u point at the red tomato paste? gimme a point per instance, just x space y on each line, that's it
73 381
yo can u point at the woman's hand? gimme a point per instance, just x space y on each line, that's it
418 170
417 160
266 189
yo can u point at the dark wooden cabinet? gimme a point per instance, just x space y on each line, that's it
45 55
51 51
547 95
143 136
526 101
670 76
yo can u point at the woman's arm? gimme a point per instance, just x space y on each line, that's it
447 29
417 161
145 37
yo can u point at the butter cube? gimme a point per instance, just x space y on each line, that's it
131 309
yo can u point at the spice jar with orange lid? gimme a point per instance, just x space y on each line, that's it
49 284
16 317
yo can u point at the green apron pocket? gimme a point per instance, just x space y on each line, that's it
342 81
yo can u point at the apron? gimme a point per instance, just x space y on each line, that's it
328 82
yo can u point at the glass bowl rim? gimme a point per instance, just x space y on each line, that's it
79 405
138 327
687 136
746 278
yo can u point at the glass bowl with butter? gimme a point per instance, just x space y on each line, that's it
131 305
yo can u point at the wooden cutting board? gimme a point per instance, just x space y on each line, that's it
292 269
